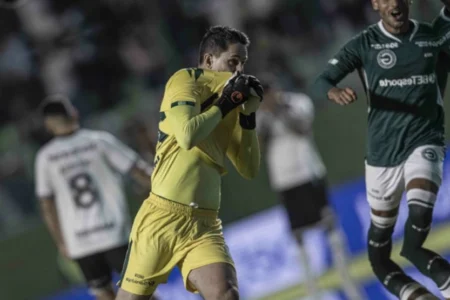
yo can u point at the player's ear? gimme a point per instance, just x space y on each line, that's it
375 4
208 60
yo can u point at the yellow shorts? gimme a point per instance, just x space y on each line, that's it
166 234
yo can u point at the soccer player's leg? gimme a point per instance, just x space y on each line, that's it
116 258
384 190
150 257
207 267
423 173
336 239
98 276
303 214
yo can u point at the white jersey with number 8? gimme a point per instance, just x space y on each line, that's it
82 172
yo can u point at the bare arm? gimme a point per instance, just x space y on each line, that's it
141 172
50 217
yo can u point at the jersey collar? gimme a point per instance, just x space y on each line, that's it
443 15
397 39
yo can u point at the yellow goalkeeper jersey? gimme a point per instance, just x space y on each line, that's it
194 140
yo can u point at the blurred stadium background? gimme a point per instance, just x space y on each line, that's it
112 57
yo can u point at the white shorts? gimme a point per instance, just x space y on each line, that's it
385 185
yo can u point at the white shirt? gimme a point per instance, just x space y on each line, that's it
82 171
292 156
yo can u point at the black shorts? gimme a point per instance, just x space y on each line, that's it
306 204
97 268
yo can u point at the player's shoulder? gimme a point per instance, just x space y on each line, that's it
196 76
45 149
362 37
423 29
97 135
442 20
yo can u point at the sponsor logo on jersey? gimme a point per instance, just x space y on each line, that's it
333 61
430 154
435 43
413 80
392 45
386 59
428 55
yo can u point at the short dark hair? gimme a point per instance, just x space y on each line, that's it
57 105
218 38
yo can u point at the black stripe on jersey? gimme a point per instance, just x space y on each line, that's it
125 264
190 103
197 72
208 102
162 136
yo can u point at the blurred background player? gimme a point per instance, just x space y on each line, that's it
202 122
79 186
298 175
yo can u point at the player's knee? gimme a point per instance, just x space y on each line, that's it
124 295
232 293
104 294
228 291
420 203
298 235
329 221
382 225
379 238
419 220
420 217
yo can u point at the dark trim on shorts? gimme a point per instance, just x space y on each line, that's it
125 264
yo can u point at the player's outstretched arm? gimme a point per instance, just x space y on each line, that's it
345 62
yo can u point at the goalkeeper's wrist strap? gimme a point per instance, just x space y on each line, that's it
247 121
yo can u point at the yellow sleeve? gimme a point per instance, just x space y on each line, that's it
244 152
189 126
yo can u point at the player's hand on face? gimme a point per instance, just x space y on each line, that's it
256 96
235 92
342 96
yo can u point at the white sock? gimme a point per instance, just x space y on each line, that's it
339 252
409 289
310 280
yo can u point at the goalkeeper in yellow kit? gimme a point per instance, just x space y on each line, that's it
207 113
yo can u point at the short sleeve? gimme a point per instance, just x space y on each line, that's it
118 155
43 187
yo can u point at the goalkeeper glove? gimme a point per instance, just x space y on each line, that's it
255 98
235 93
247 118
